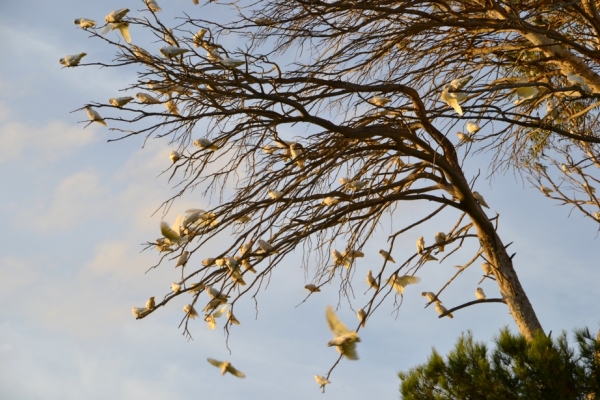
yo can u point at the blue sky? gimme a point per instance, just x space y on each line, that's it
76 209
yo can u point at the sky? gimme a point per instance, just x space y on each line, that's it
76 210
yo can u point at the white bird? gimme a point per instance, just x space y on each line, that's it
139 312
526 92
145 98
546 190
387 256
420 245
565 169
479 294
116 15
464 138
232 62
266 246
263 21
597 215
213 56
183 259
220 262
344 339
400 282
190 311
379 101
210 319
120 101
353 254
150 304
296 150
85 23
213 304
441 309
232 318
339 259
275 194
451 100
312 288
480 199
371 281
330 201
172 51
362 317
243 219
321 380
356 185
171 106
270 149
472 127
123 28
551 108
169 232
94 116
176 287
430 296
226 366
207 262
459 83
217 295
72 60
153 6
487 268
589 188
246 247
205 143
174 156
578 81
198 38
440 238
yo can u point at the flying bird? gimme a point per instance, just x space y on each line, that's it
94 116
362 317
85 23
198 38
480 294
169 232
480 199
123 28
441 309
116 15
72 60
387 256
440 239
120 101
453 99
371 281
400 282
459 83
226 367
344 339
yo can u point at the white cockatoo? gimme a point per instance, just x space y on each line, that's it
139 312
400 282
183 259
339 259
420 245
211 321
226 366
232 62
371 281
321 380
205 143
263 21
220 262
589 188
296 150
464 138
72 60
174 156
207 262
116 15
246 247
85 23
266 246
94 116
597 215
453 99
163 244
247 266
356 185
459 83
213 56
169 37
362 317
472 128
243 219
441 309
353 254
190 311
480 199
312 288
197 287
480 294
175 287
153 6
212 304
578 81
487 268
344 339
525 93
387 256
275 194
120 101
430 296
150 304
565 169
379 101
146 98
217 295
198 38
172 51
440 238
546 190
169 232
232 318
330 201
122 27
270 149
171 107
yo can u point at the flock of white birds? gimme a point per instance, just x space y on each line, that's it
186 226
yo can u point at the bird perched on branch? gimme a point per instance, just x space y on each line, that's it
296 150
153 6
172 51
321 380
430 296
190 311
174 156
440 239
120 101
420 245
379 101
94 116
472 127
362 317
146 98
441 309
183 259
72 60
226 366
232 62
150 304
344 339
387 256
312 288
480 294
205 143
480 199
85 23
371 281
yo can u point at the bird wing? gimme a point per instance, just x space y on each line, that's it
407 280
107 28
348 350
168 232
124 29
214 362
335 325
220 312
235 372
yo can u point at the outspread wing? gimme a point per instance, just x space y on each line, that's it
214 362
335 325
235 372
168 232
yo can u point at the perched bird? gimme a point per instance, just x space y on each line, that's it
487 268
480 199
321 380
205 143
197 287
190 311
220 262
163 244
145 98
420 245
232 62
85 23
116 15
183 259
597 215
246 247
169 37
212 304
525 93
353 254
379 101
441 309
264 21
429 257
400 282
213 56
578 81
243 219
153 6
232 318
266 246
356 185
339 259
430 296
589 188
551 108
330 201
226 367
371 281
123 28
171 107
94 116
176 287
207 262
217 295
139 312
312 288
72 60
546 190
172 51
344 339
174 156
247 266
150 303
362 317
459 83
296 150
275 194
452 100
472 127
270 149
120 101
440 239
387 256
198 38
479 294
464 138
565 169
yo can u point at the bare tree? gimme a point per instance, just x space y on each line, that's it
375 92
